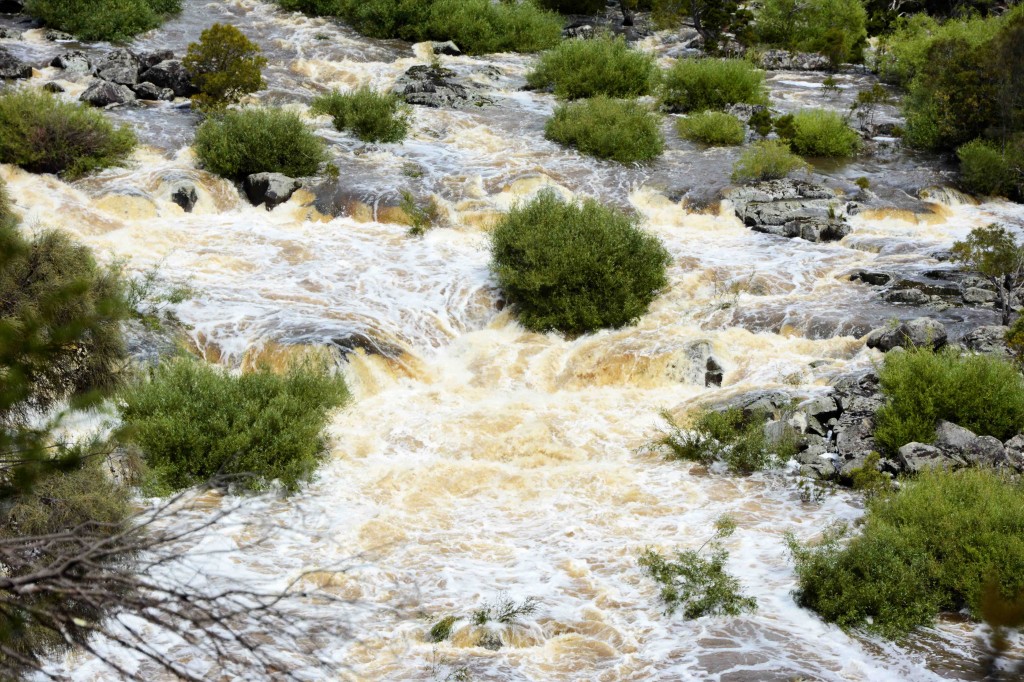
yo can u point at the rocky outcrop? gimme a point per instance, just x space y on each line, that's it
150 59
783 60
914 458
987 339
103 93
270 189
437 87
73 62
791 208
119 66
13 68
918 333
172 75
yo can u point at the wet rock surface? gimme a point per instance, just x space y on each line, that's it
170 74
12 68
792 208
438 87
104 93
783 60
269 189
75 61
923 332
119 66
184 194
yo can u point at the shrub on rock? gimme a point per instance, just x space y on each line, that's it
699 84
576 268
370 115
44 134
113 20
715 128
620 130
601 66
243 142
766 160
225 65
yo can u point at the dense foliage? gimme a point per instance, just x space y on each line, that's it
699 84
370 115
620 130
601 66
193 422
225 65
713 128
766 160
576 267
712 19
114 20
982 393
932 547
314 8
819 132
986 168
730 436
835 28
574 6
246 141
44 134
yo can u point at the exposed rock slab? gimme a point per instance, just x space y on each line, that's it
792 208
437 87
104 93
917 333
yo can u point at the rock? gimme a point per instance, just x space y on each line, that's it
916 457
11 67
979 296
916 333
772 403
54 35
986 451
909 296
360 341
74 61
150 59
437 87
12 6
714 374
986 339
1013 450
873 278
148 91
271 189
184 194
583 30
783 60
791 208
7 33
447 47
170 74
119 66
104 93
950 436
54 88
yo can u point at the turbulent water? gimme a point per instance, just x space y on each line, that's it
480 460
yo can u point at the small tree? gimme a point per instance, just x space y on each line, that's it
994 253
225 65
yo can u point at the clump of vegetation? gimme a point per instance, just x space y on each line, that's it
862 182
442 629
602 66
476 26
502 610
731 436
700 84
761 121
422 215
868 478
574 6
619 130
713 20
44 134
929 548
113 20
818 132
993 253
835 28
225 65
766 160
712 127
240 143
1015 341
194 423
576 267
979 392
699 585
985 168
313 8
371 115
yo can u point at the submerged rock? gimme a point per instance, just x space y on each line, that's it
184 194
271 189
917 333
75 61
792 208
104 93
11 67
170 74
437 87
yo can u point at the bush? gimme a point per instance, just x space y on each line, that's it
699 84
985 169
372 116
729 436
818 132
835 28
113 20
248 141
44 134
576 267
766 160
476 26
713 128
904 52
619 130
979 392
574 6
314 8
930 548
225 65
193 422
602 66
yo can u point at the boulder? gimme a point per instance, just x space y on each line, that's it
104 93
54 35
170 74
271 189
150 59
792 208
147 91
908 296
74 61
714 373
1013 450
447 48
437 87
979 296
784 60
583 30
54 88
916 457
184 194
917 333
950 436
11 67
119 66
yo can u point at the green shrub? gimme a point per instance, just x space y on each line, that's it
835 28
766 160
979 392
713 128
620 130
44 134
729 436
818 132
930 548
372 116
314 8
602 66
717 22
113 20
699 84
574 6
476 26
225 65
193 422
904 52
248 141
986 169
576 267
